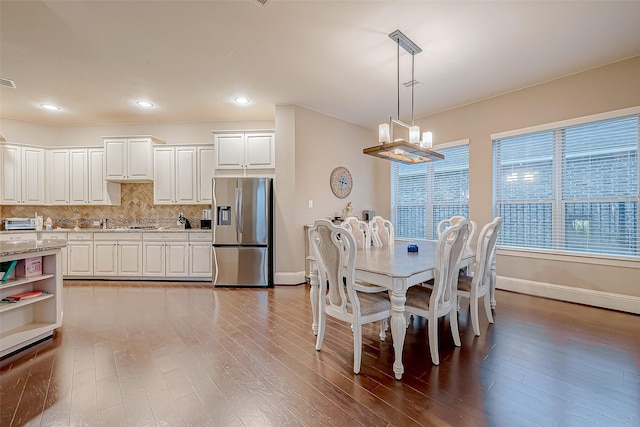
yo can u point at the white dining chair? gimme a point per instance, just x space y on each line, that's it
335 252
360 231
473 226
479 284
472 232
362 235
382 232
441 300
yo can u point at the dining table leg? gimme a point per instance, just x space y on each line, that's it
313 294
398 298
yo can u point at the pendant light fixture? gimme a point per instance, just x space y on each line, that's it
399 141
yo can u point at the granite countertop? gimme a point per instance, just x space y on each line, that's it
16 248
113 230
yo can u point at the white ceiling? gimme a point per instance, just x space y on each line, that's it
191 58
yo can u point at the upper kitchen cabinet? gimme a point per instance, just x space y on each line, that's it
22 175
206 169
182 174
174 179
245 150
130 158
76 177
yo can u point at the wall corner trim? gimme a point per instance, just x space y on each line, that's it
295 278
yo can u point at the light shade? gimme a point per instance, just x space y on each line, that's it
403 152
427 140
414 134
383 133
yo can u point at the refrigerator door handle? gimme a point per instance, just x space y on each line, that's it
239 213
214 204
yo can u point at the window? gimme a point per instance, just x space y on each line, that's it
424 194
570 188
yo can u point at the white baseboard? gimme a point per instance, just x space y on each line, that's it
601 299
289 278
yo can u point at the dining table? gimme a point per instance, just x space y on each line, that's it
395 268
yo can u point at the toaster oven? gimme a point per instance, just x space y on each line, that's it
19 223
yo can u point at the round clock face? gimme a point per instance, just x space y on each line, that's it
341 182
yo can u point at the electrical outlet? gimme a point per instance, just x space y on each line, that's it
310 203
96 223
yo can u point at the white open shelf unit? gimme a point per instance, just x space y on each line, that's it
30 320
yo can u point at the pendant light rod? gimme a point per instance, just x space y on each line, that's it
413 83
407 44
398 77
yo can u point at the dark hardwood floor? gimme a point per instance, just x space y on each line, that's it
144 353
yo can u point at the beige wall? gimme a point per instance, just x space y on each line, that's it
603 89
309 146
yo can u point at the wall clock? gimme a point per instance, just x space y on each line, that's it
341 182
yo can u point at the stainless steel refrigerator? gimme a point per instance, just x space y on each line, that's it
242 232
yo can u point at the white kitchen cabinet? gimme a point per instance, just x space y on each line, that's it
153 262
30 320
175 174
79 172
58 182
75 177
101 192
129 258
206 170
129 159
200 254
22 173
177 259
245 150
117 254
80 254
165 254
105 258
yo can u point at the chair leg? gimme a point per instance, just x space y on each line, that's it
473 302
455 332
384 325
322 321
357 348
433 340
487 307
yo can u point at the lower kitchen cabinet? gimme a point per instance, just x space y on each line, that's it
144 255
80 254
165 254
200 254
117 254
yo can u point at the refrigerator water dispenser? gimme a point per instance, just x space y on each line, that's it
224 215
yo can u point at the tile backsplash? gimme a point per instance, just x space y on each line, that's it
136 208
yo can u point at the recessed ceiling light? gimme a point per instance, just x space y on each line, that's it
50 107
241 100
146 104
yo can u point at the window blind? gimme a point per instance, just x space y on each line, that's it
572 188
424 194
